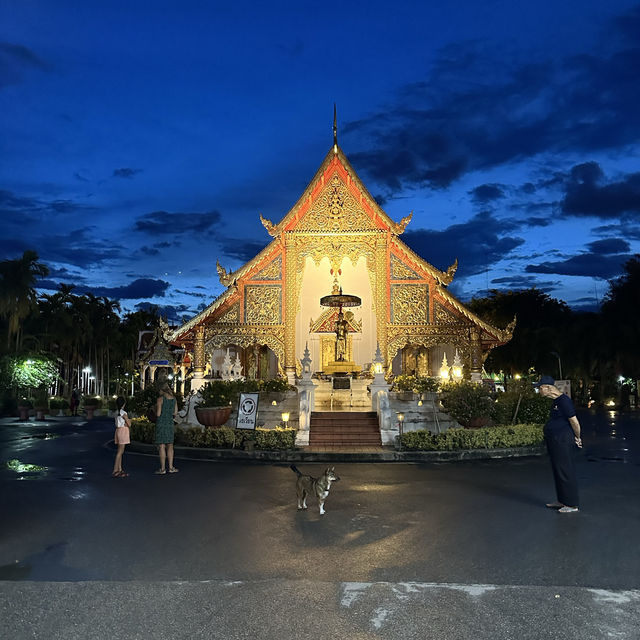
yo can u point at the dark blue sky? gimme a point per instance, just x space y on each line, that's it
138 145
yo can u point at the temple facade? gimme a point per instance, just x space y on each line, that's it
336 237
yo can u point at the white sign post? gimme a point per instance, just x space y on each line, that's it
247 411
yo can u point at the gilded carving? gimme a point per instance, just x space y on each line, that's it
336 210
198 349
262 304
246 336
232 315
273 271
326 322
410 303
444 317
400 271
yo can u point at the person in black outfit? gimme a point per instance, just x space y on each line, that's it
561 435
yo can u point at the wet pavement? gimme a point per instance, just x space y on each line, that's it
442 550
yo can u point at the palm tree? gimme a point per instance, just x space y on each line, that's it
17 291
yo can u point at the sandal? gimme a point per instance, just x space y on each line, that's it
116 474
123 474
160 472
173 470
568 510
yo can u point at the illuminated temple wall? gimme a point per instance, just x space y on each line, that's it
317 281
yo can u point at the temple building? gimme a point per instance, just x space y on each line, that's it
336 240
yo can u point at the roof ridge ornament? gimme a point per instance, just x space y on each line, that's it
399 227
269 226
335 129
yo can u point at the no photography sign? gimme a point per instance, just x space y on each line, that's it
247 411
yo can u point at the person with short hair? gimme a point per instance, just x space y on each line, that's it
166 411
121 437
561 435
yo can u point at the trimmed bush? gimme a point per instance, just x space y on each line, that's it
465 401
533 408
416 384
219 438
517 435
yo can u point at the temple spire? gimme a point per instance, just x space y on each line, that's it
335 129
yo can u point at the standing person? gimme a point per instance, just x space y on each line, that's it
561 435
74 402
166 410
121 437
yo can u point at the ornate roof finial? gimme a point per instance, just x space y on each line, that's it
335 129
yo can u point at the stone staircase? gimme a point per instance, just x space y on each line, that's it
344 429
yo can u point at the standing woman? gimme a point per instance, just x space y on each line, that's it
561 435
121 437
166 410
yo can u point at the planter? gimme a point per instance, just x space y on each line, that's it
24 412
90 411
213 416
40 412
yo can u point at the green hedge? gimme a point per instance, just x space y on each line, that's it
533 408
219 438
517 435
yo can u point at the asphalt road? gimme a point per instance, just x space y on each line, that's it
219 550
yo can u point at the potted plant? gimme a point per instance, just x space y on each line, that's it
41 403
215 408
24 405
91 404
61 404
469 403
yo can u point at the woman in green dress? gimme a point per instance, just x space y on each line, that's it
166 410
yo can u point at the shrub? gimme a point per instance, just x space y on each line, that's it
417 384
466 400
533 408
219 438
218 393
141 401
142 430
59 403
93 401
517 435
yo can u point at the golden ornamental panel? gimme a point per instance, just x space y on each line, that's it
428 339
400 271
444 317
409 304
231 316
273 271
244 336
336 209
263 304
328 350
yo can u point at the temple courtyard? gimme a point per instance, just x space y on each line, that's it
434 550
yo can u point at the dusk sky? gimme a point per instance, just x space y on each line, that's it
140 141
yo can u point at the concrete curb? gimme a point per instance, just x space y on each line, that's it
300 455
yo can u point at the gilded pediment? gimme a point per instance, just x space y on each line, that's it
400 271
443 316
409 304
336 210
273 271
326 322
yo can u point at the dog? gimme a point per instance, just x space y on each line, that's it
319 487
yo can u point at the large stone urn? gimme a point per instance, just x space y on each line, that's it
213 416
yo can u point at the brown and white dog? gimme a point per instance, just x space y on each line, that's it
318 487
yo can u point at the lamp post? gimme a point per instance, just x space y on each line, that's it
285 419
400 430
557 355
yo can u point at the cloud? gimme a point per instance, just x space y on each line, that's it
594 265
125 172
589 194
479 108
243 250
625 228
610 245
161 223
175 314
478 243
140 288
16 60
485 193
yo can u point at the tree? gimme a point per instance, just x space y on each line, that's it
620 317
541 324
17 291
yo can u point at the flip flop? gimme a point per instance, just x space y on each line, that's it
160 472
173 470
568 510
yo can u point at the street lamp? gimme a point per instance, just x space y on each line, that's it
285 419
400 430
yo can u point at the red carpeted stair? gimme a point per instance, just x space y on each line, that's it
344 429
